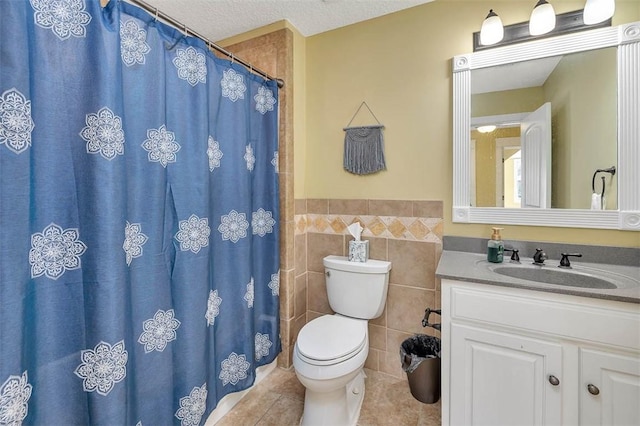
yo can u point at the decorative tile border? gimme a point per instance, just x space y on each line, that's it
400 228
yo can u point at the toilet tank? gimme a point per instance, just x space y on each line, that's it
357 289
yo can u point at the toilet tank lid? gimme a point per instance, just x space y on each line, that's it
371 266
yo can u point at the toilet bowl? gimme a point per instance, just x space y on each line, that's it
329 366
331 350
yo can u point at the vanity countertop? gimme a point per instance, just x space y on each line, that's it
473 267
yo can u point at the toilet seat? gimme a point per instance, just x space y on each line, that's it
331 339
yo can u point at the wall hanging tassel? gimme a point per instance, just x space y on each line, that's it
364 147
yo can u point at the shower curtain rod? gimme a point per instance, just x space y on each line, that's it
158 14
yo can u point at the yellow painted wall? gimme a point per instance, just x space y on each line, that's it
400 64
582 90
486 175
507 102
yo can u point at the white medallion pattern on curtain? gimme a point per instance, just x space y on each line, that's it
66 18
232 84
274 284
233 226
102 367
133 43
134 239
159 331
161 145
262 222
249 294
193 406
213 307
14 400
249 157
262 344
264 100
104 134
73 28
193 233
54 251
233 369
213 153
16 123
275 161
191 65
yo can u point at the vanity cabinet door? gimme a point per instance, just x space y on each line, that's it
609 388
501 378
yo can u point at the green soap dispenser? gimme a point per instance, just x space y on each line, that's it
495 247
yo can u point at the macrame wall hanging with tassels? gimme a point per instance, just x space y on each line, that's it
364 147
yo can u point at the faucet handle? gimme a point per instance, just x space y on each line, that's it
539 257
564 261
515 257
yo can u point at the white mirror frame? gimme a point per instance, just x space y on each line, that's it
627 38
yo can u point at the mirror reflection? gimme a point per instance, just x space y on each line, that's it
542 129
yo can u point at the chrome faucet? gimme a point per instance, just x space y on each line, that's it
539 257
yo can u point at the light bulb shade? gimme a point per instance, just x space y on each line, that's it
486 129
596 11
492 30
543 18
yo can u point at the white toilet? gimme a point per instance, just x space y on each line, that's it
330 352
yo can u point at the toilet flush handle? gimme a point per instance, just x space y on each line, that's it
328 273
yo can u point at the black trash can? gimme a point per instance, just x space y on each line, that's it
420 357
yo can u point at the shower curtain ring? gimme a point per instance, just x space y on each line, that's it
156 18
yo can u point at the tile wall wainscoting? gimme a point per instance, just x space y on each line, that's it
406 233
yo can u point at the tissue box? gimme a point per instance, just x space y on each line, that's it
358 251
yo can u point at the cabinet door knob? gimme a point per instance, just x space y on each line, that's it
593 389
554 380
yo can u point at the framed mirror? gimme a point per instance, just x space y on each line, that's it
547 132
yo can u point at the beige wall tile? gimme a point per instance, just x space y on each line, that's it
300 206
300 254
317 293
372 360
377 337
382 319
389 363
427 209
300 296
413 263
311 315
286 294
287 233
321 245
318 206
289 201
390 208
350 207
298 323
405 308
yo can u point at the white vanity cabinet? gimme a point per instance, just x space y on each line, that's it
522 357
610 391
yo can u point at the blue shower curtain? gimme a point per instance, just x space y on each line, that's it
139 250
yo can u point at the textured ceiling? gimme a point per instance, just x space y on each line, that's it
219 19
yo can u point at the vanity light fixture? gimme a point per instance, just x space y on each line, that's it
544 23
543 18
596 11
492 30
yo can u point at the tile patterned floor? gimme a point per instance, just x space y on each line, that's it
278 401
